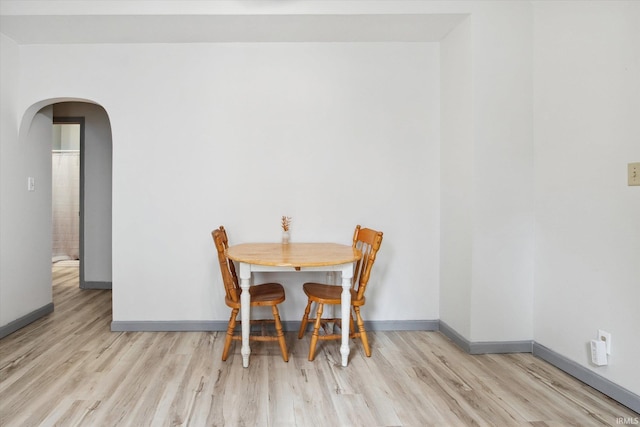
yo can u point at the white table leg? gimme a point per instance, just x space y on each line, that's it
347 274
245 311
329 309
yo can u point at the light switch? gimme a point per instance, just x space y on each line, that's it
31 184
634 173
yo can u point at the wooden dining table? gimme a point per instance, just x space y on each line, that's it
278 257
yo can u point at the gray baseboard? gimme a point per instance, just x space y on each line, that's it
402 325
454 336
168 326
497 347
380 325
95 285
589 377
11 327
485 347
289 326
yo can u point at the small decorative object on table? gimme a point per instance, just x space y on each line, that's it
286 224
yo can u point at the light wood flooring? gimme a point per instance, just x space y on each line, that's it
68 369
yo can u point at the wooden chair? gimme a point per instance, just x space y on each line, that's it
268 294
368 241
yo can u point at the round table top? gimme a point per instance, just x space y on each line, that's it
294 254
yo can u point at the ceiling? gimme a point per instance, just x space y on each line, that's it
27 26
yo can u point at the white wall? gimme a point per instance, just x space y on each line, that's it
487 175
240 134
25 235
502 293
587 106
301 98
9 70
456 172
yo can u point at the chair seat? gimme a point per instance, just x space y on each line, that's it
261 295
328 294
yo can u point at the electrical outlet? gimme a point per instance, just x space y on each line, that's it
634 173
606 337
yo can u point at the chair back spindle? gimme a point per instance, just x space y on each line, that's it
368 241
227 268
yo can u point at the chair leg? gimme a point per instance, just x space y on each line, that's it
352 328
363 333
281 340
305 320
230 328
314 336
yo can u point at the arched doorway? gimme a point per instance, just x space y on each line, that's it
26 210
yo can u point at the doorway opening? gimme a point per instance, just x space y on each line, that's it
67 190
